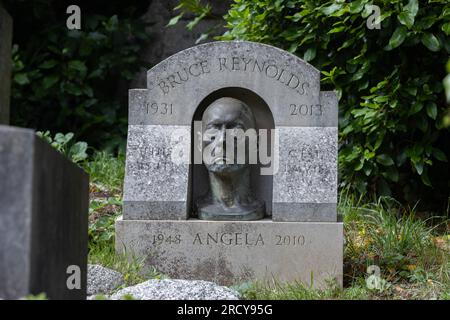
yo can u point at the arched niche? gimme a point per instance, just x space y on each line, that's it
262 185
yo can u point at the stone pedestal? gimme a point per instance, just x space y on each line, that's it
232 252
44 201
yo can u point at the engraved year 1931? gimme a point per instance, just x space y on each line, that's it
161 108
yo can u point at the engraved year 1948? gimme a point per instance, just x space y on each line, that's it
169 239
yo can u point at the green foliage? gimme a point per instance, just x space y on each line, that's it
106 169
68 80
101 229
447 88
76 152
298 291
201 11
412 254
408 250
40 296
394 136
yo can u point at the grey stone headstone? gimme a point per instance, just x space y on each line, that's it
279 87
300 238
44 201
5 64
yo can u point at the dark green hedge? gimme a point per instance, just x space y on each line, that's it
75 81
394 120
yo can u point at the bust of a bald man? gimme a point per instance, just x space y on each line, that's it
230 196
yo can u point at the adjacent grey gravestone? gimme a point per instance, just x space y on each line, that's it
44 201
5 64
300 238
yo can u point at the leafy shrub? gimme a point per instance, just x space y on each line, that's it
69 80
76 152
394 121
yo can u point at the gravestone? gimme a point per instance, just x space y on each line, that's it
299 237
44 200
5 64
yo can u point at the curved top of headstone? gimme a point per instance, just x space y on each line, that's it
177 85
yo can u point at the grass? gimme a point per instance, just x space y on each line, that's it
106 169
412 253
106 174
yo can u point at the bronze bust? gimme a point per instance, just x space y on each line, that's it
230 196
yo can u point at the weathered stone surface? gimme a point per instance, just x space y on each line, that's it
5 64
156 184
177 85
101 280
168 289
305 186
282 89
232 252
43 218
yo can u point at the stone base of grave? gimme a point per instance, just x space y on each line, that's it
232 252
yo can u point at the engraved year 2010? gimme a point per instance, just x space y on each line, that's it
161 108
162 238
305 110
289 240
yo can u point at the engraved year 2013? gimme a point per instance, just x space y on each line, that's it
305 110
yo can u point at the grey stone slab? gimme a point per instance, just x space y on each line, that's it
308 212
177 289
44 200
6 25
228 252
156 181
101 280
307 175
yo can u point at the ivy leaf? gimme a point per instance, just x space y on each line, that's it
78 65
416 107
309 54
77 152
446 28
438 154
397 38
50 81
431 42
406 17
331 9
432 110
48 64
21 78
419 167
174 20
385 160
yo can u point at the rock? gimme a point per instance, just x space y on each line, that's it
168 289
102 280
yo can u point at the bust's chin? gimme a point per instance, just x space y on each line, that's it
224 168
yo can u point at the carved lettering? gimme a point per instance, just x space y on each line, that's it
229 239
